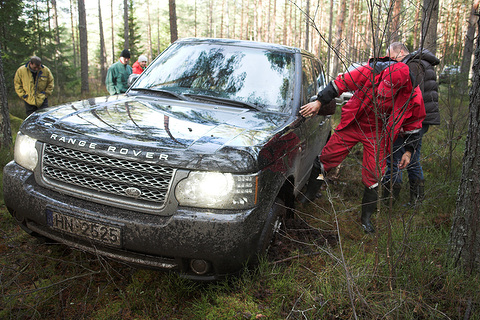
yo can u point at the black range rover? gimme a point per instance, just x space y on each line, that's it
189 171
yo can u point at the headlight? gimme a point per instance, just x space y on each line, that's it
25 153
217 190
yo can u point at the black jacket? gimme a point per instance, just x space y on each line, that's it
421 63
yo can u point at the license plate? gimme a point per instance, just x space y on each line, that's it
95 231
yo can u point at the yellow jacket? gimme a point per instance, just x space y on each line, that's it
33 92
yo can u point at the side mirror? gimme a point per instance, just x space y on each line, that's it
132 78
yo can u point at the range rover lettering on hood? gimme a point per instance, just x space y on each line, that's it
111 149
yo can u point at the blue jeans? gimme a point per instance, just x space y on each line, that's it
414 169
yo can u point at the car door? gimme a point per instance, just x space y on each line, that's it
314 129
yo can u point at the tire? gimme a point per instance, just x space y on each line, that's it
272 225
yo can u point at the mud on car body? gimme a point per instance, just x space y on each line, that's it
189 171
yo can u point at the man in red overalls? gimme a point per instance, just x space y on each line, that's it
384 105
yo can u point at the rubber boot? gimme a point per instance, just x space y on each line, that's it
417 192
396 187
369 206
313 186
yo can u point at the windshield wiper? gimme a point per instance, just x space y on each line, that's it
225 101
164 92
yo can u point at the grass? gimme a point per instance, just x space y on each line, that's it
328 270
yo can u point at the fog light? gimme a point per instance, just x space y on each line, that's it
199 266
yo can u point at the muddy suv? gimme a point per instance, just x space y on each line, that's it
189 171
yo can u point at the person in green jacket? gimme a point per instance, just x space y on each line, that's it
117 75
33 84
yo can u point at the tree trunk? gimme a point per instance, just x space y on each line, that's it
242 21
268 31
378 30
469 38
458 27
210 12
103 59
126 38
285 23
74 46
295 28
57 41
222 15
173 21
465 233
290 37
55 22
307 25
342 7
256 19
330 35
429 25
195 19
158 30
149 32
274 21
82 27
416 25
350 43
234 20
395 25
5 130
227 19
113 32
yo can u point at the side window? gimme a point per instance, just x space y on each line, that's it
319 75
309 87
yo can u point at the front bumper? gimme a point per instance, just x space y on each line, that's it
226 241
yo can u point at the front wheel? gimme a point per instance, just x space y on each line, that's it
275 216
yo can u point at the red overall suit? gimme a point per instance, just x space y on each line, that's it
383 105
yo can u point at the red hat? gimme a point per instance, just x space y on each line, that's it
393 78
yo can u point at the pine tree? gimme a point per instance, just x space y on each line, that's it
12 44
134 34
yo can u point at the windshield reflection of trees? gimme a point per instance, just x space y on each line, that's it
280 62
222 72
213 72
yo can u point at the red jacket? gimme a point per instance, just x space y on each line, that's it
382 87
136 68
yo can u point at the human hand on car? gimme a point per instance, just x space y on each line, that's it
310 109
405 160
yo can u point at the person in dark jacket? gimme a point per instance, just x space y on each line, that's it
421 64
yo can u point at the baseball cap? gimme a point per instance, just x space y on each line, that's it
393 79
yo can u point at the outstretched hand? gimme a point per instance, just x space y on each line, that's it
405 161
310 109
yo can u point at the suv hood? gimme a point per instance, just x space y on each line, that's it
155 124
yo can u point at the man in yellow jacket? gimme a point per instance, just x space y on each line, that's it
33 84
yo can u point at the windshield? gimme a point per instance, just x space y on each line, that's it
258 77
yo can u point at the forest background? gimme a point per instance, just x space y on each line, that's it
338 32
329 270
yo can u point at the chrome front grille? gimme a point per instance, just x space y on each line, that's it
70 169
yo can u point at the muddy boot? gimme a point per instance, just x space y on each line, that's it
417 192
314 184
369 206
